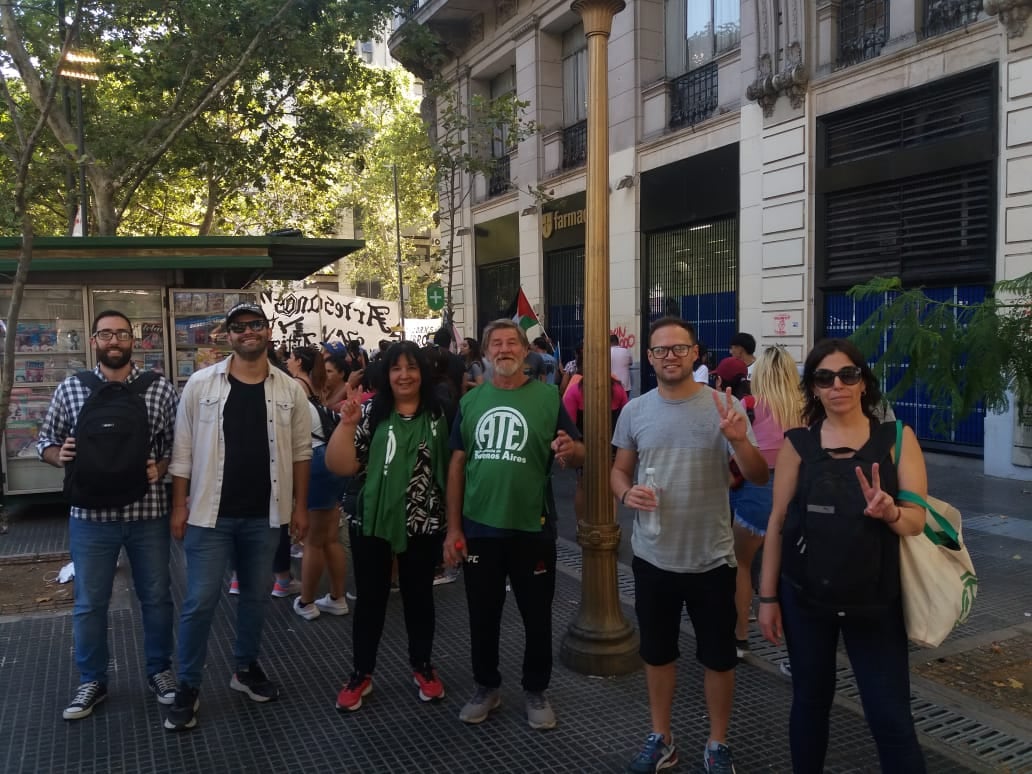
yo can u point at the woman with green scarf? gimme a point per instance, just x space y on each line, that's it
398 442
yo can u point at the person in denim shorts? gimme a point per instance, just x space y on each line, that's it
779 407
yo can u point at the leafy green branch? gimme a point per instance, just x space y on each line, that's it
961 354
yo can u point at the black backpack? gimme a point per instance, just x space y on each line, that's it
112 444
328 419
839 560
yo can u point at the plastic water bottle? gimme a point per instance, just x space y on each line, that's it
648 521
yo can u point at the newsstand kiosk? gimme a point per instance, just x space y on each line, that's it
176 290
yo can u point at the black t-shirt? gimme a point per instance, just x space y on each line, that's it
246 486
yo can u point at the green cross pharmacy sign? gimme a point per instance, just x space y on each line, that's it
435 297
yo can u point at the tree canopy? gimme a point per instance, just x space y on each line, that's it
229 95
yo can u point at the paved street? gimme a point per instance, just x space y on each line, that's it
601 722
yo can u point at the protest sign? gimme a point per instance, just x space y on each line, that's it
422 331
311 317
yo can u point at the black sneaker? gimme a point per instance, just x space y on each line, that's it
163 685
88 696
182 715
254 683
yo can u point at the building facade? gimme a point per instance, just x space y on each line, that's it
765 156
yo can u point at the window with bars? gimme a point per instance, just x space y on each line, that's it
964 106
564 291
863 27
944 15
691 272
906 185
693 97
499 181
917 228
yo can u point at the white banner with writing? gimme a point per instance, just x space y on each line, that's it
422 331
311 317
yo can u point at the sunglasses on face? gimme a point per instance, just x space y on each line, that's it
849 376
254 325
106 335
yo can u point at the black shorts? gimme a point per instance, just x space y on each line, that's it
710 599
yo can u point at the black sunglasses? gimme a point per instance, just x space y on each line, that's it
849 376
254 325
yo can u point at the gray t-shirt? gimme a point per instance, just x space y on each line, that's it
681 439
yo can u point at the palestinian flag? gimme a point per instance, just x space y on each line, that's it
523 313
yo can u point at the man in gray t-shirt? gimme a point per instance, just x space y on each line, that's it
686 432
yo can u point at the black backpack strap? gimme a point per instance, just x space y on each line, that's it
881 442
139 385
91 381
806 443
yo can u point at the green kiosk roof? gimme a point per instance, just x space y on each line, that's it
234 261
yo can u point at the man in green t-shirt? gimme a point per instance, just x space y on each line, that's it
504 437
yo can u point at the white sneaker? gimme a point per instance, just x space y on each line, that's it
308 612
333 606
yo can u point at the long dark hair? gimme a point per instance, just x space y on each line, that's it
381 404
871 397
473 354
311 360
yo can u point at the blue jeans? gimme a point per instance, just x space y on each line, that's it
95 546
250 543
877 650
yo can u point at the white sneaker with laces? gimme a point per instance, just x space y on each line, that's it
308 612
333 606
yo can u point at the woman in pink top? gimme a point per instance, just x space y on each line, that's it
573 402
779 407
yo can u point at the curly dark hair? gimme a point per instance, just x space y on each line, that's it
870 399
382 403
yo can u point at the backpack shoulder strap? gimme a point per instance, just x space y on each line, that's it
90 380
805 443
139 385
881 442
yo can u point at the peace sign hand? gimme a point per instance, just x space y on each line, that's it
880 504
351 407
732 424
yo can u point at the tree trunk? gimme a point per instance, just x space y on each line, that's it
105 213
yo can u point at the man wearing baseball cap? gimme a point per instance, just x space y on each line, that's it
243 458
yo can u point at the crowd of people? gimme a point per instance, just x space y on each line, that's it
437 460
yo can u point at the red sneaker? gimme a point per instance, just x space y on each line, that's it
429 684
350 696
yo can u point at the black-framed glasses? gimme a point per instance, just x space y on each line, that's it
254 325
679 350
106 335
849 376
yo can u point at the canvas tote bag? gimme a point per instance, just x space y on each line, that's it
937 576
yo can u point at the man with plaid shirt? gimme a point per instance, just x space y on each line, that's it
96 536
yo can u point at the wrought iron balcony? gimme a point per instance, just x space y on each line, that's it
575 145
863 30
944 15
693 97
500 181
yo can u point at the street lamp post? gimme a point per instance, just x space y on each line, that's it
600 640
77 66
397 237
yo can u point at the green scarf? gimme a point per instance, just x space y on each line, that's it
382 501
